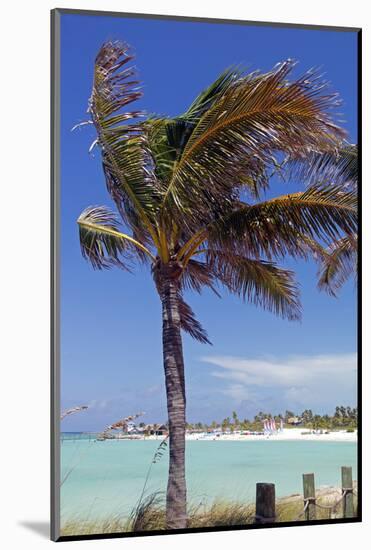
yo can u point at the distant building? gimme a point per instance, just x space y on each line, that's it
156 429
131 427
294 421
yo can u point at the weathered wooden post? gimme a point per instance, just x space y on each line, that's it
309 492
265 511
347 487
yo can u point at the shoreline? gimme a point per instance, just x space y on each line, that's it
287 434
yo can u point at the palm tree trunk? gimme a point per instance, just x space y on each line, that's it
176 496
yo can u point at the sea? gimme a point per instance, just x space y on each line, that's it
105 479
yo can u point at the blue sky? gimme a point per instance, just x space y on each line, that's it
111 357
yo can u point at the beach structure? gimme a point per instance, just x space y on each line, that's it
125 425
294 421
156 429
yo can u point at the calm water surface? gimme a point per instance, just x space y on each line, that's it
106 478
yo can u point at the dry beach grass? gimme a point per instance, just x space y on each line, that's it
150 514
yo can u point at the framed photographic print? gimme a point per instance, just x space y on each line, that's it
205 299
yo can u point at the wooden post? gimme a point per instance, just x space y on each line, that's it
265 503
347 486
309 493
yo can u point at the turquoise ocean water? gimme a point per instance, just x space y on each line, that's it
103 479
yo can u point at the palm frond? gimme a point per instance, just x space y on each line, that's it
307 247
163 152
180 128
180 185
103 244
339 166
127 162
257 281
339 263
208 97
277 226
167 137
252 177
189 323
253 120
196 276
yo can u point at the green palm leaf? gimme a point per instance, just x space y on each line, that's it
198 275
127 160
257 281
206 99
339 166
338 264
253 119
276 227
164 154
103 244
189 323
180 128
167 137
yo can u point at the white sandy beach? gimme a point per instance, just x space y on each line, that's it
287 434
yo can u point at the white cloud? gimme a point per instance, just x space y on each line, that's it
126 402
100 404
156 389
239 392
317 380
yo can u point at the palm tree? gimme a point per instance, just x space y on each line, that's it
187 190
226 424
235 418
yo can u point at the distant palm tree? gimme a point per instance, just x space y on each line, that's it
235 418
187 190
